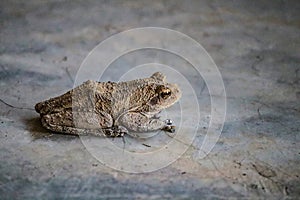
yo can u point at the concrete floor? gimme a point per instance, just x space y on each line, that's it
255 44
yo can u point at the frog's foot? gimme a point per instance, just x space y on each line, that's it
115 131
168 126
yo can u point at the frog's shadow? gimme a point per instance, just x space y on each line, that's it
38 132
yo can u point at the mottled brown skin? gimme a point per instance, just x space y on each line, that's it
110 109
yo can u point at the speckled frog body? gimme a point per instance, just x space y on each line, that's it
110 108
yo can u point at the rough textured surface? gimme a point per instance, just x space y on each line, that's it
256 47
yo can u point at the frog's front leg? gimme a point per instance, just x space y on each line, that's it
141 123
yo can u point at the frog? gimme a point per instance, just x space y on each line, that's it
111 109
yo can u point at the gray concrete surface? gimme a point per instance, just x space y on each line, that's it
256 47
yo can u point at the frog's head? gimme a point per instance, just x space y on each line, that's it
165 95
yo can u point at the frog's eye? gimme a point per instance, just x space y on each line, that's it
165 93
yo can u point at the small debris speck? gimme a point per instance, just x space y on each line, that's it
253 186
146 145
65 58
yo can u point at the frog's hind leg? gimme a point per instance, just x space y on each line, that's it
82 123
62 122
71 130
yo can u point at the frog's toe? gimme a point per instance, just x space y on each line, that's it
169 128
168 122
122 130
116 131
